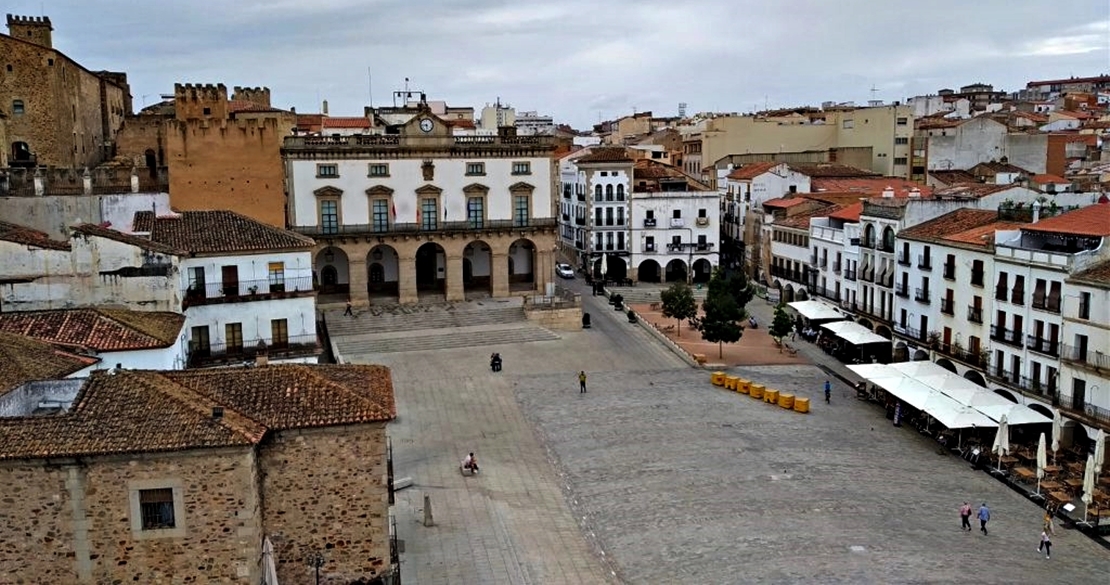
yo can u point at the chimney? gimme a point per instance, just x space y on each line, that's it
915 192
888 193
86 182
1036 211
325 108
40 188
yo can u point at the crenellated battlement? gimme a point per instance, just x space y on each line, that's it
256 95
199 91
29 20
200 100
34 29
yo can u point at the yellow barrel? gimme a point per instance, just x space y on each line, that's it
786 401
801 405
731 382
717 378
771 396
743 386
756 391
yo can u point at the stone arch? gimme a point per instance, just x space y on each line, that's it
901 352
869 234
703 270
947 364
21 152
522 265
332 271
1007 395
801 294
884 331
383 272
649 271
1037 406
978 379
477 269
431 269
615 268
888 238
675 271
920 355
866 323
789 292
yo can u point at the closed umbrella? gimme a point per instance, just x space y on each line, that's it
1100 451
604 265
1088 485
269 566
1042 461
1057 431
1002 441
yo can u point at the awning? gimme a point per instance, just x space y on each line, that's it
816 310
854 333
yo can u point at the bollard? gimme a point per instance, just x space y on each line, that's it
717 378
428 511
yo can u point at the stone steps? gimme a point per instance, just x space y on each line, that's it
644 295
457 337
418 318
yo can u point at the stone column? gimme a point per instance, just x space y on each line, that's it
455 291
545 266
406 279
499 275
358 280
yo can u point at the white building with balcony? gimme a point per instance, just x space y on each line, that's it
677 235
834 241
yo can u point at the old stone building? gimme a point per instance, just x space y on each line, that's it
219 462
221 153
422 212
55 111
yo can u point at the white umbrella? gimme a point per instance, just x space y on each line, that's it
1100 450
1057 432
1088 485
1042 461
269 566
1001 441
604 265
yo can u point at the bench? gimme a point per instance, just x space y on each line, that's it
655 306
667 328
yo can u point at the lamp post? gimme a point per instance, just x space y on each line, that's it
316 561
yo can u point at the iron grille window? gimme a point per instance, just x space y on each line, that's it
156 508
329 217
380 215
475 213
428 213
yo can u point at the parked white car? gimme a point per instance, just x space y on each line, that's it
564 270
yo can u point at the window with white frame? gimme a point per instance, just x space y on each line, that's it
379 170
327 171
522 168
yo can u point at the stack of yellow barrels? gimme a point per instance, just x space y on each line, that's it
759 392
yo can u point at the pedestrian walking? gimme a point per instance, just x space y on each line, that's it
582 382
984 517
1048 527
1046 544
965 517
348 312
828 391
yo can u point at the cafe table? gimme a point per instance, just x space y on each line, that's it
1025 473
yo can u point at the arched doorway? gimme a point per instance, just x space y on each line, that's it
332 272
947 364
801 294
431 270
522 262
1040 408
920 355
21 152
781 292
151 161
977 378
884 331
1006 394
615 268
888 239
477 270
676 271
382 272
901 352
789 291
648 271
703 270
866 324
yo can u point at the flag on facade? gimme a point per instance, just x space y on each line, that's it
393 211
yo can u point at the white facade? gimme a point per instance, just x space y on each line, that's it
1085 353
677 235
743 195
836 258
173 357
531 123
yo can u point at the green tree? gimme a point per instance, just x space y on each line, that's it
781 325
720 322
679 303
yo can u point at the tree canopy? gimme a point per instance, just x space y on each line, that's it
723 309
782 323
679 303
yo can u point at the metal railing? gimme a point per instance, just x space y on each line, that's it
921 295
435 227
1085 356
1017 296
902 290
247 290
222 352
977 278
909 332
836 267
1007 336
924 262
950 271
903 259
1045 346
947 307
974 314
1050 304
1000 293
849 274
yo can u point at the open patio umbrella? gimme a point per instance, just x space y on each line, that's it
269 565
1100 451
1042 462
1057 431
1088 485
1002 441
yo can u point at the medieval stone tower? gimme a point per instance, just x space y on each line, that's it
195 102
34 29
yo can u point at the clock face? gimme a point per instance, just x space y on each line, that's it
426 125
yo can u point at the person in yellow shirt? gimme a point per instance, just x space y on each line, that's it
582 382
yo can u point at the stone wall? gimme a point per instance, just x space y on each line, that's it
559 319
37 519
324 491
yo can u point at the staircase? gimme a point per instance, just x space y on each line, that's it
643 295
405 318
428 339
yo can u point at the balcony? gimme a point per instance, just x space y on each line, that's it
674 247
247 290
950 271
1045 346
921 295
973 358
902 290
828 293
867 243
1085 357
1007 336
649 248
703 246
702 221
836 267
886 247
579 221
813 260
903 259
849 274
947 307
974 314
1049 304
222 353
441 227
1087 413
909 332
824 262
582 197
925 262
565 216
1024 384
649 222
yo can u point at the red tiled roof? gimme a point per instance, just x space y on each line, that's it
975 190
829 170
234 106
23 360
849 213
1045 179
869 186
784 202
213 232
176 409
607 154
1092 220
97 329
950 224
1098 275
18 234
801 220
345 122
139 241
953 177
752 170
983 235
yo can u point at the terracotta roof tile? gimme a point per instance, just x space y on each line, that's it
752 170
234 106
1045 179
975 190
213 232
140 241
23 359
849 213
146 411
869 186
1092 220
607 154
782 202
646 168
97 329
345 122
967 225
18 234
1098 275
983 235
801 220
830 170
954 177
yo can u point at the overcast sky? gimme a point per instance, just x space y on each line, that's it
581 59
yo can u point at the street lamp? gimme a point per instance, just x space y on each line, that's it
316 561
